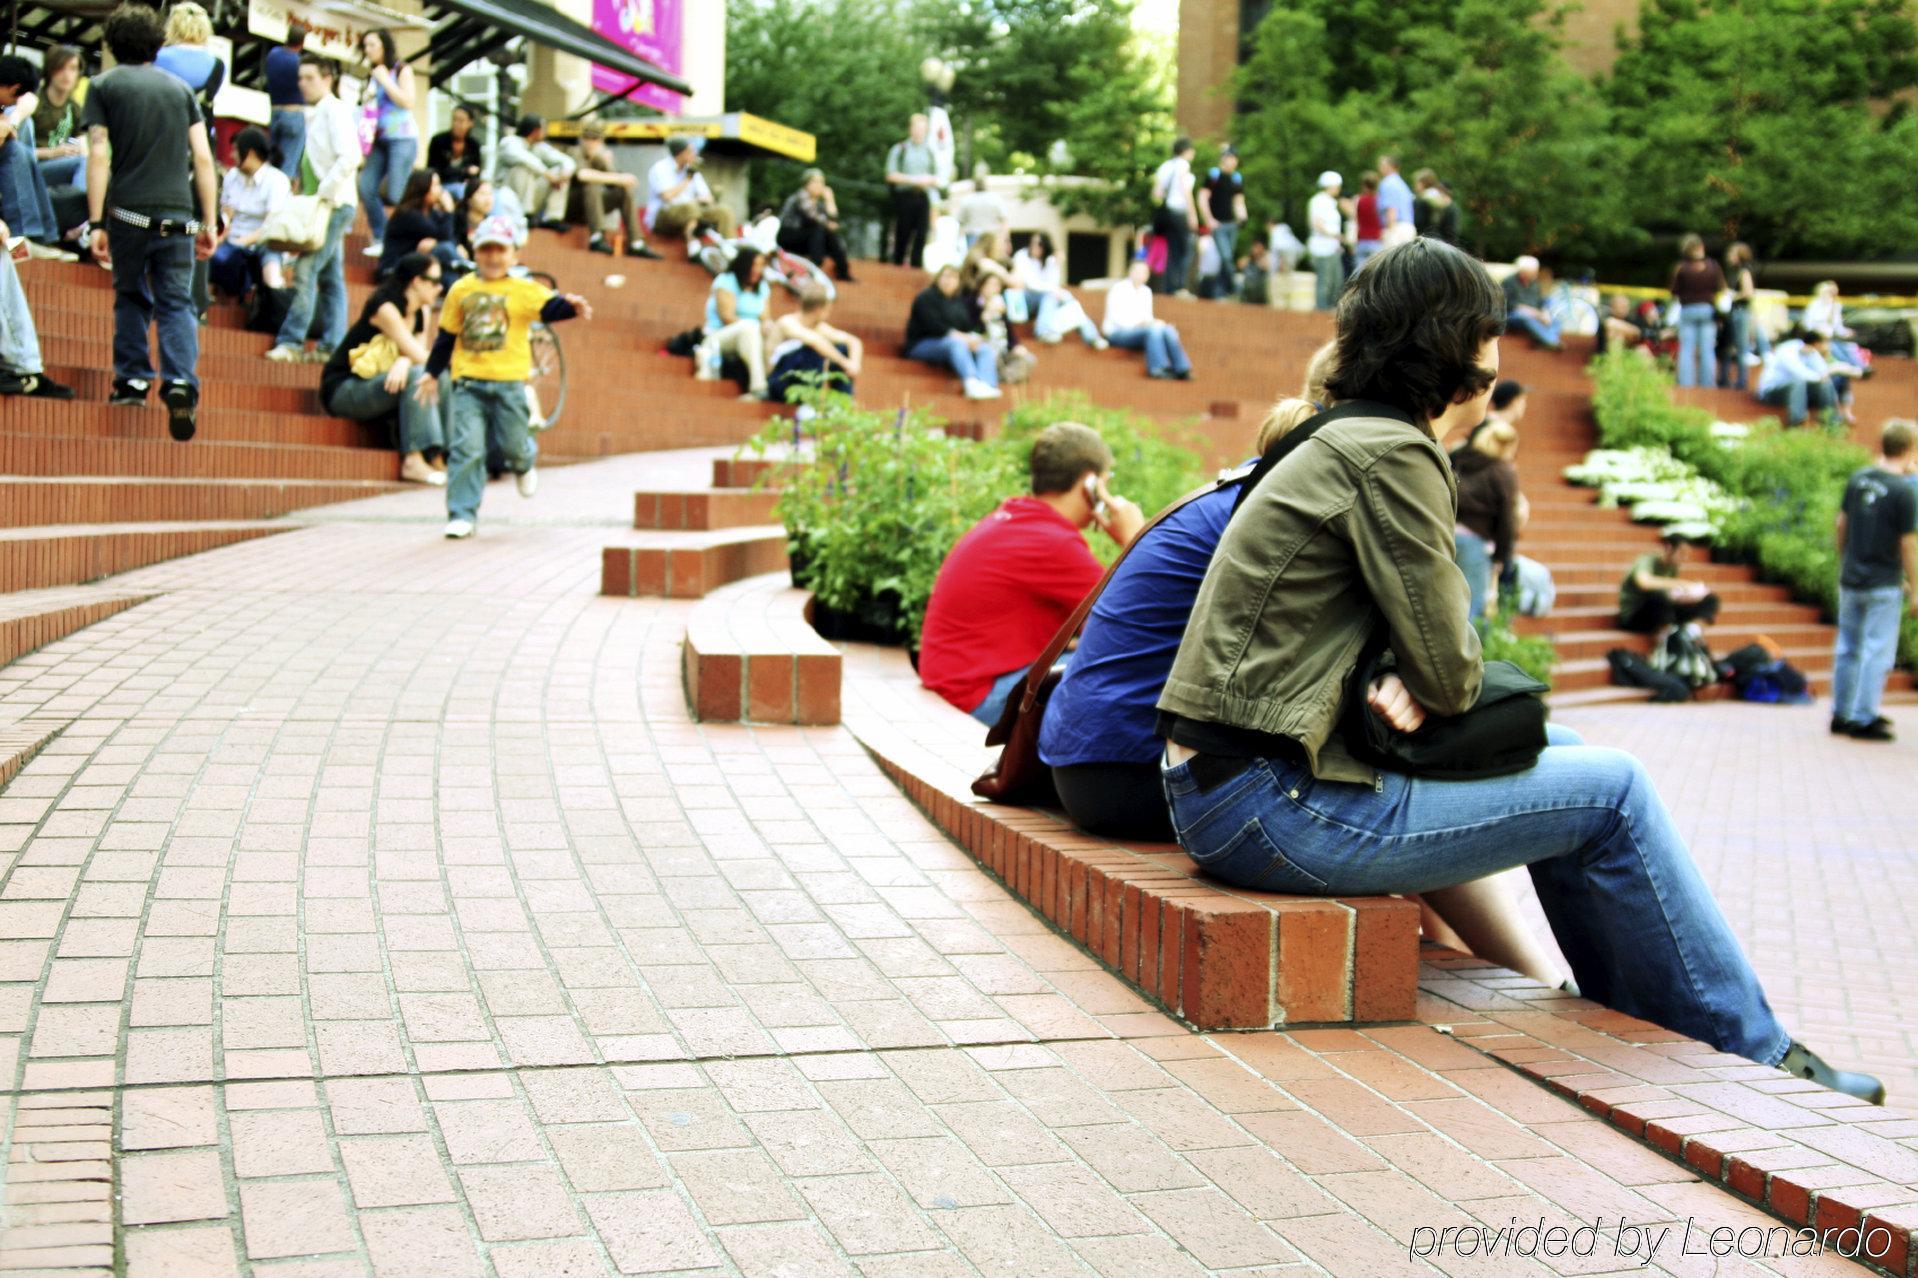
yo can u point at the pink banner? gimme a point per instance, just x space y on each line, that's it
652 30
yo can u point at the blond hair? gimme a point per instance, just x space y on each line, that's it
1496 439
187 23
1291 411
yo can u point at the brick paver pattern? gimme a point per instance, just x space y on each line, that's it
378 910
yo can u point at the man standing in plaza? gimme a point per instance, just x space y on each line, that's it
1878 544
148 161
1325 245
1396 205
912 172
1224 211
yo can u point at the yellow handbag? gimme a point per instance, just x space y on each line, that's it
374 358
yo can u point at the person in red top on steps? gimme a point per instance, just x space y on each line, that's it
1013 579
1369 235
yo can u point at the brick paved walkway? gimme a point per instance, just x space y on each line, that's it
377 910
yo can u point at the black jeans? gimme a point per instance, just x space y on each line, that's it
818 244
911 216
1115 800
1657 611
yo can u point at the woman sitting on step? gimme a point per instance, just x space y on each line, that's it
1099 735
373 374
1350 536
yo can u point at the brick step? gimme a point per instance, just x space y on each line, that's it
1728 634
689 565
752 656
1564 619
746 472
1594 570
31 619
704 509
1217 957
164 457
49 555
1603 599
27 502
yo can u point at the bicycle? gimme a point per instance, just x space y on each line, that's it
546 384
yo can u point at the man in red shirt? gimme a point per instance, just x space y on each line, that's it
1016 576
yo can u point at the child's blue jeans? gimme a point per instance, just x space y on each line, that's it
476 407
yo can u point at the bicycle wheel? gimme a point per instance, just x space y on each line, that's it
546 385
1573 314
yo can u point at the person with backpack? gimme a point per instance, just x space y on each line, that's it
1280 694
1878 543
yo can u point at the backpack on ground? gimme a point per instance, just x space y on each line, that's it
1681 653
1631 670
1757 673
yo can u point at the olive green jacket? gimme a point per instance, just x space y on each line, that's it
1355 525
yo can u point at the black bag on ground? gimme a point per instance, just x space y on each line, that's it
686 343
1683 654
1631 670
266 309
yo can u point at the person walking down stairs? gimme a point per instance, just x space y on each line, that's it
150 222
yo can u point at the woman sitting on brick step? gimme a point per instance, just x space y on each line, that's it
942 331
372 375
1350 534
1100 738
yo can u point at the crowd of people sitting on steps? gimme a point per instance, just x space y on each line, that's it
1237 669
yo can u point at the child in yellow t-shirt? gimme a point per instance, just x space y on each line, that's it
485 324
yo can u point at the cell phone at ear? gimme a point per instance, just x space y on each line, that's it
1092 495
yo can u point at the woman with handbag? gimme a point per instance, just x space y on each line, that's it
1277 712
389 135
373 373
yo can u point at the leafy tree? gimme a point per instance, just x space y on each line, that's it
846 71
1754 119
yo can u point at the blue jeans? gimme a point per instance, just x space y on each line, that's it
366 399
475 408
1748 336
153 284
1544 332
1697 343
319 278
989 710
19 340
1474 559
1625 902
1796 398
1160 342
383 179
1867 643
1226 237
1362 252
952 352
1330 271
236 268
64 171
1044 306
288 131
25 206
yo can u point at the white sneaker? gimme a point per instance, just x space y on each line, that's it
528 483
286 355
976 389
373 250
459 528
1101 344
49 253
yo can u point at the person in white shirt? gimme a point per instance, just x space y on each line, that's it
678 198
981 211
1826 314
1799 375
538 172
1036 270
1129 325
1174 217
1325 244
319 277
251 191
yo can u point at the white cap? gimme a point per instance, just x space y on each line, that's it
1526 263
1330 178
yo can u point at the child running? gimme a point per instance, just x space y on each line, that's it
484 337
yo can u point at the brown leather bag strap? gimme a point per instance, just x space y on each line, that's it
1042 665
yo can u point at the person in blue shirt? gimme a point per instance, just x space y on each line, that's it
1100 737
288 129
735 311
1396 204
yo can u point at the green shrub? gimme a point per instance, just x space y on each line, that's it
1534 654
888 493
1788 482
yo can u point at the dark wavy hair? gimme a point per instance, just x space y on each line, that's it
1411 325
134 33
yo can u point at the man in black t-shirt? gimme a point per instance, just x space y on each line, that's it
151 201
1878 539
1222 206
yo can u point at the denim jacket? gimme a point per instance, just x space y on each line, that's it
1354 527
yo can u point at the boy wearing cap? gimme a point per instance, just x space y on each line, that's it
485 327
